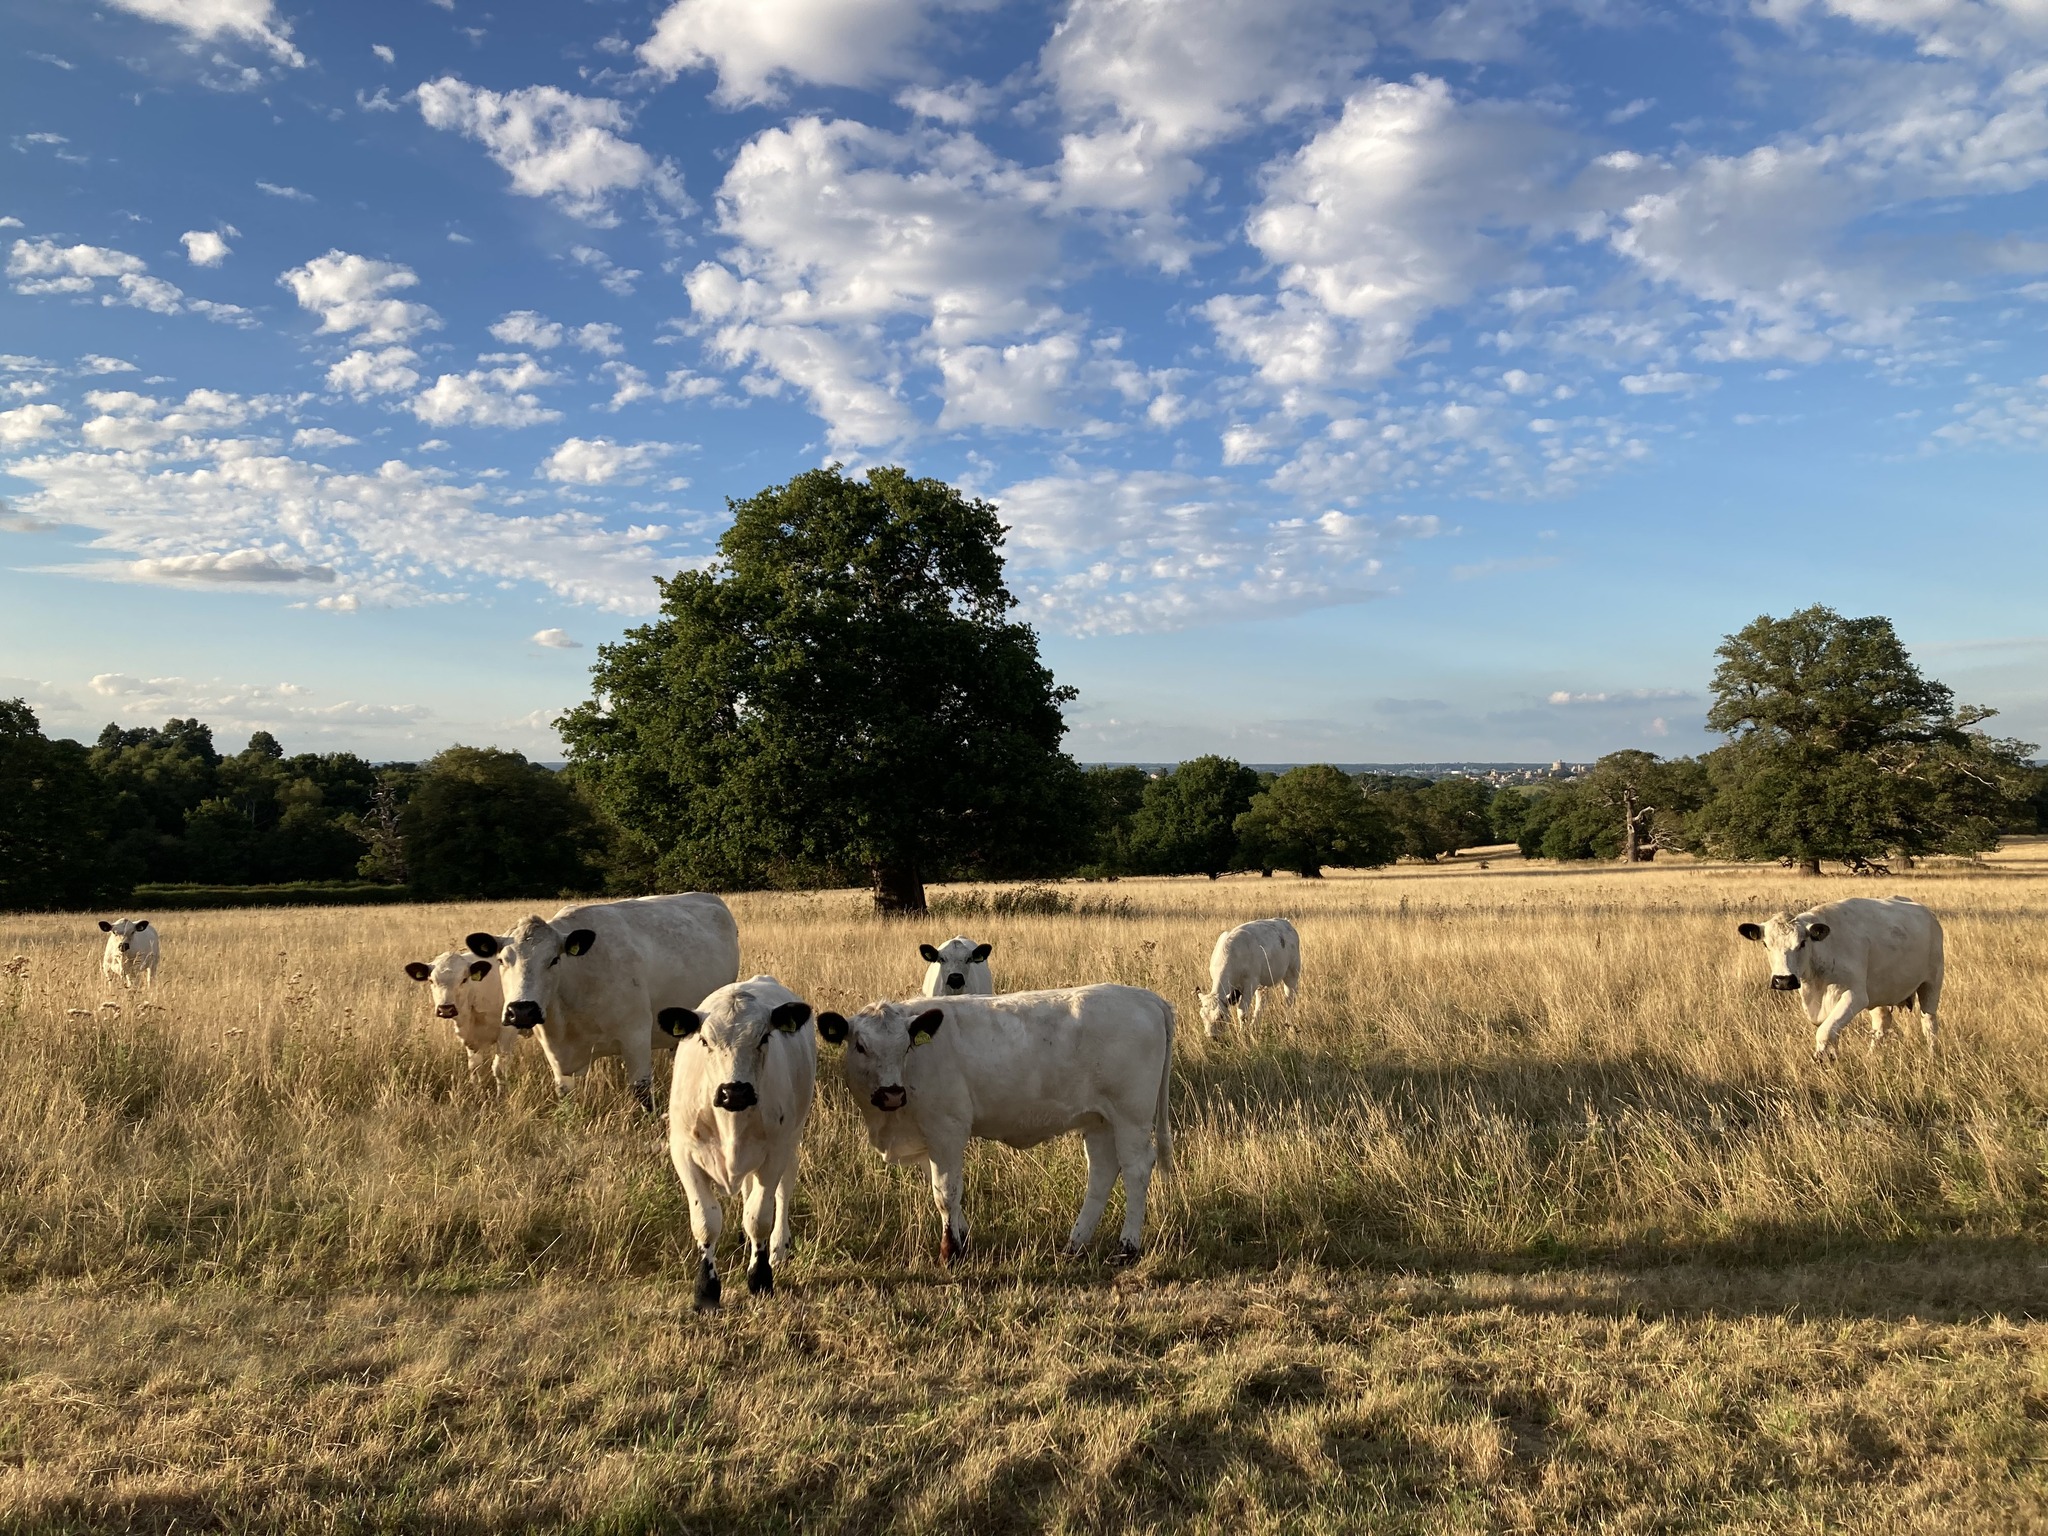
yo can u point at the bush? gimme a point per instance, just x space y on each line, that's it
296 893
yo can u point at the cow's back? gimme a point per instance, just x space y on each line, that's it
1264 947
1890 945
679 949
1031 1063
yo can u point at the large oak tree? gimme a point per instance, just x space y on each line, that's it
841 694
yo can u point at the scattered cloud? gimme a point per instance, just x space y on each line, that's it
756 46
1565 698
556 640
598 461
250 21
30 423
500 396
613 278
44 267
567 148
207 247
353 293
289 194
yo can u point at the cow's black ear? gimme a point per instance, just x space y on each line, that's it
1750 930
418 970
141 924
485 944
832 1028
678 1023
790 1017
925 1025
1818 932
923 949
479 969
1236 996
107 927
579 942
981 953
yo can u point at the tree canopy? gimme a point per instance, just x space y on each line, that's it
1313 816
1186 821
841 692
482 822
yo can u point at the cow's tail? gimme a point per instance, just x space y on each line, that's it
1162 1121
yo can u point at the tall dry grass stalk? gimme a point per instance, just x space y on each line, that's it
1519 1071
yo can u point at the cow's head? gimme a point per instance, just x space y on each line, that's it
1216 1005
956 967
530 960
878 1044
121 935
1789 941
453 979
737 1025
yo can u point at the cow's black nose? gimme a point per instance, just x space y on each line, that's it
444 1010
523 1014
1784 983
124 949
888 1098
956 982
735 1097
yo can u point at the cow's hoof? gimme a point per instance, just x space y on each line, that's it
1126 1255
952 1249
708 1288
760 1277
1072 1252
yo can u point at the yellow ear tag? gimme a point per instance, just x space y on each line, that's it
922 1037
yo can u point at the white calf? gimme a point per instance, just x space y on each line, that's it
131 951
1851 955
1246 961
1020 1068
958 968
746 1068
467 992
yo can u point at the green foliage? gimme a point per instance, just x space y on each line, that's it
1186 823
52 848
842 693
1114 797
1559 822
1841 749
1508 813
1313 816
1432 818
186 897
487 823
1646 800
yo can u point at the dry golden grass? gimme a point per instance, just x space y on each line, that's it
1533 1214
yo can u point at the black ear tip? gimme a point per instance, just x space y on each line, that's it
105 926
1749 930
485 944
925 950
832 1028
678 1023
418 970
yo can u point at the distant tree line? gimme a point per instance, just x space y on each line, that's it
152 807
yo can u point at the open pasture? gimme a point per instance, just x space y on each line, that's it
1533 1213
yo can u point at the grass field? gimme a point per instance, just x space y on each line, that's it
1534 1215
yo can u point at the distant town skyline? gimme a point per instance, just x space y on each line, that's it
1360 382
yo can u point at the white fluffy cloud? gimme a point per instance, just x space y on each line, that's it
353 293
756 44
29 423
498 396
599 460
556 640
382 371
206 247
526 328
45 267
554 144
253 21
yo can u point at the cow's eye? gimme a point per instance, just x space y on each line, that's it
555 962
859 1047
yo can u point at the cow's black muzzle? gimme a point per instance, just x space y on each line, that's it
889 1098
735 1097
1784 983
955 983
444 1010
523 1015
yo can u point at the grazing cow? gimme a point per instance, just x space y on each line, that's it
131 951
593 977
467 992
1246 961
1020 1068
746 1067
959 968
1851 955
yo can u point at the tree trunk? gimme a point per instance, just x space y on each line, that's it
1310 871
1809 866
899 890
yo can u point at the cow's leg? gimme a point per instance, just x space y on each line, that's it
785 1197
1136 1153
949 1178
707 1220
1102 1171
760 1217
1929 998
1842 1006
637 1058
1254 996
1880 1021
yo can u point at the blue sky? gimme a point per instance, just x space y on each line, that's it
1367 382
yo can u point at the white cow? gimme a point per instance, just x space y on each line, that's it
592 978
1856 954
746 1068
1020 1068
1249 958
467 992
132 950
959 968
